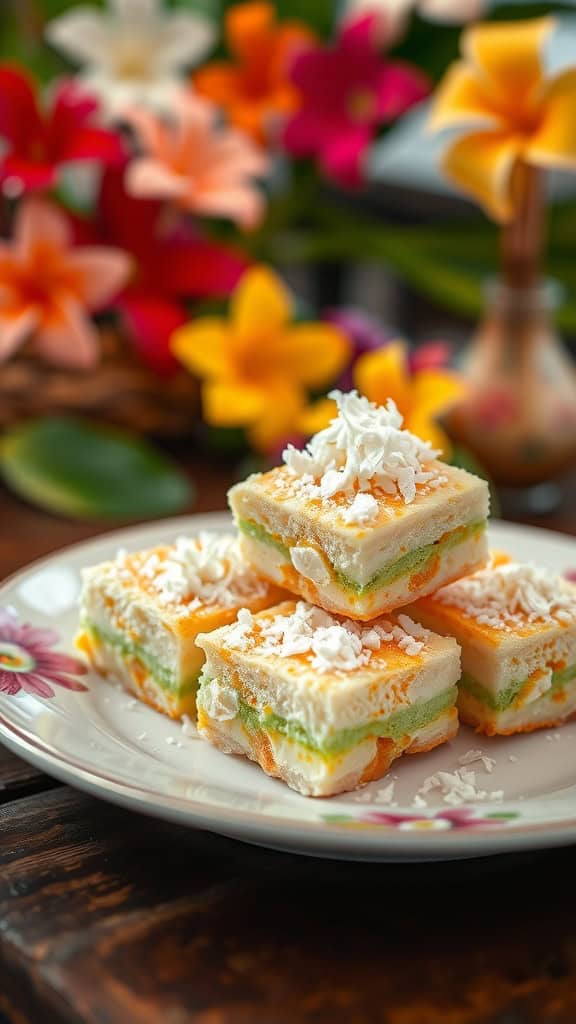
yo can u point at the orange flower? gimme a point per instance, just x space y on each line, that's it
197 164
255 90
508 110
420 396
48 287
257 366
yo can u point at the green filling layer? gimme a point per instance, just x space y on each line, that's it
401 723
165 679
412 562
503 700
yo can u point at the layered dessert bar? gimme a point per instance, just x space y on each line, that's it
326 704
364 519
516 625
141 614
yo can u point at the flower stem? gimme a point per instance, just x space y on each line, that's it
522 240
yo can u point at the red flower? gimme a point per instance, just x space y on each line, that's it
39 142
173 263
348 90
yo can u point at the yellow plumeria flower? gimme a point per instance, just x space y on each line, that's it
513 112
421 397
257 366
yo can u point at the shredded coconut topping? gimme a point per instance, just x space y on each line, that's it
363 447
512 595
458 787
207 567
363 510
332 645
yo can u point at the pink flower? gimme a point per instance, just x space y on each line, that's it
48 287
27 663
200 166
460 817
348 90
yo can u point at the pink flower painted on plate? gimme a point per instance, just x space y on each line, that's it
570 575
27 662
458 818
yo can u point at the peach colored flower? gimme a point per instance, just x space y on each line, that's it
199 165
48 287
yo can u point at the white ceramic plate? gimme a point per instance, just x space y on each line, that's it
102 741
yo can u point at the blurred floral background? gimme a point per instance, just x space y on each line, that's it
213 213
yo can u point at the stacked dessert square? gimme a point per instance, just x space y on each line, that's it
324 639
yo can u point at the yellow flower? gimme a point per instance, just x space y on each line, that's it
509 110
420 397
257 366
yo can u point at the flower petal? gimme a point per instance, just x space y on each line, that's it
20 119
435 390
383 374
509 55
69 340
39 221
83 35
277 420
243 204
400 87
148 178
234 404
314 354
104 273
151 321
9 683
33 683
202 347
481 164
184 39
422 423
341 156
260 308
316 417
219 82
249 31
200 267
461 99
554 142
15 330
19 174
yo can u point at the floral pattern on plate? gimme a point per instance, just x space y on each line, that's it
28 663
460 818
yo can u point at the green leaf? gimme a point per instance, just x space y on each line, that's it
82 470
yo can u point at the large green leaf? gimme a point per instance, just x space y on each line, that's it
85 471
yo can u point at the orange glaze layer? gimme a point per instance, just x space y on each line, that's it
391 506
388 661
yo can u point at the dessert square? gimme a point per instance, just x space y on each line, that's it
141 613
516 625
365 519
326 704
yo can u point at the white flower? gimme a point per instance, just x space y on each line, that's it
135 53
393 14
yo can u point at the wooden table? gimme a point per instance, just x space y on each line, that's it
107 917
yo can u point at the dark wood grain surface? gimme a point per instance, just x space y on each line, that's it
107 917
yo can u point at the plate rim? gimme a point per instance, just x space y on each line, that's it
317 837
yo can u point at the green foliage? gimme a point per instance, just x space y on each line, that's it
81 470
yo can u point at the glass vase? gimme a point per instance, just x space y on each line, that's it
519 417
